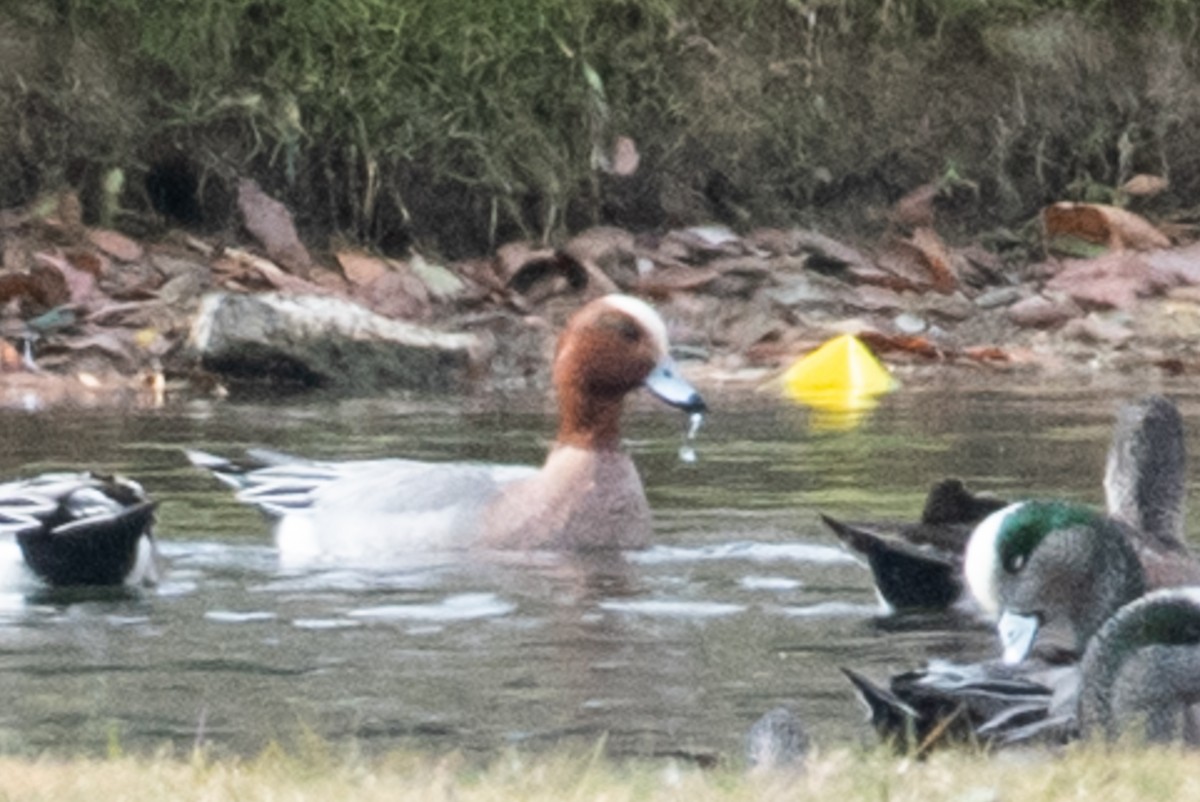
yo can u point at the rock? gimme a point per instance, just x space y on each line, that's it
801 291
999 296
326 341
1112 281
908 323
1040 312
1097 328
950 307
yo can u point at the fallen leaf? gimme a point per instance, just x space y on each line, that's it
1039 312
921 261
625 157
16 286
87 261
523 268
441 282
10 358
986 353
1099 223
399 294
1144 185
118 246
273 274
270 222
663 281
913 344
361 268
81 284
915 209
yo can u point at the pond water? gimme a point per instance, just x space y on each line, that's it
745 602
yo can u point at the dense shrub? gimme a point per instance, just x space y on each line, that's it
458 124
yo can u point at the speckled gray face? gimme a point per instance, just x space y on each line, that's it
1000 549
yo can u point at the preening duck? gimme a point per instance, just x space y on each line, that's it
82 528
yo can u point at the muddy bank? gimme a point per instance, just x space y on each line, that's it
92 315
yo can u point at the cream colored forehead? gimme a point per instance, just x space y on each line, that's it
980 562
644 314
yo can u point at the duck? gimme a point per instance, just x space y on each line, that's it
587 495
1140 675
1047 565
919 566
1034 565
1037 565
1145 488
82 528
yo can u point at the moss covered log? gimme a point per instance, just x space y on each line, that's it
460 125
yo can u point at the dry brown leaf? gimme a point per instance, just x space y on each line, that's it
118 246
625 156
1144 185
273 274
16 285
937 259
399 294
664 280
901 343
10 358
80 284
1106 225
916 207
607 251
921 263
87 261
361 268
986 353
271 224
524 268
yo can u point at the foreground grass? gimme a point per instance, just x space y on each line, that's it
843 775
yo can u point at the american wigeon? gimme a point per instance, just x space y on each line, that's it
82 528
587 494
1140 676
1036 565
1031 565
920 565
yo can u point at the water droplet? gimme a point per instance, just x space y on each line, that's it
687 452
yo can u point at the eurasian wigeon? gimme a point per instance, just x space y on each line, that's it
82 528
587 494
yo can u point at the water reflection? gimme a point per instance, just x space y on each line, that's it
744 602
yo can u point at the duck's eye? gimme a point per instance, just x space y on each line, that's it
626 328
1016 562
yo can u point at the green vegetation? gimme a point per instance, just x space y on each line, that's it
843 775
463 124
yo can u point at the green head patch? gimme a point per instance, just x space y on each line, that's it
1025 529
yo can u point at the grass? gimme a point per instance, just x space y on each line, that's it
841 774
465 124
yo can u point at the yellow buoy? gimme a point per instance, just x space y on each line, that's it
842 375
